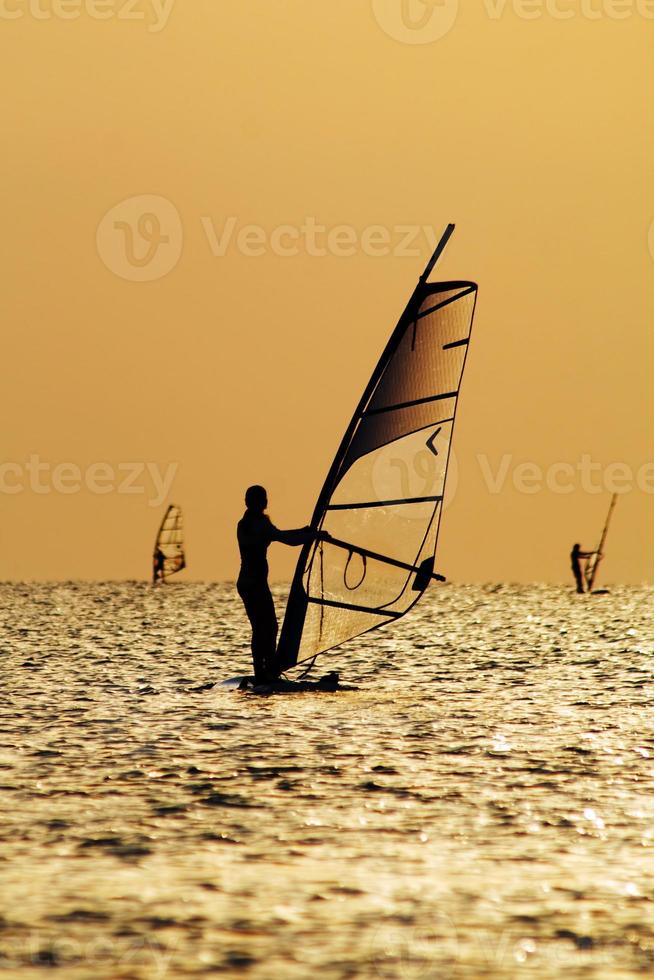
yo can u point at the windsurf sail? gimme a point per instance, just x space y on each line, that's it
168 556
382 500
592 563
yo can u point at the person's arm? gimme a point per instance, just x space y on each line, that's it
300 535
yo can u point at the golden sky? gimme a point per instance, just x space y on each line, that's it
146 326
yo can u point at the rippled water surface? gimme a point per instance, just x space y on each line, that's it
483 805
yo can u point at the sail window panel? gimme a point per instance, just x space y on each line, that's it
352 580
440 297
409 596
380 429
394 532
384 592
382 505
327 626
409 467
423 366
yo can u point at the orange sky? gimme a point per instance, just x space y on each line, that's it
529 128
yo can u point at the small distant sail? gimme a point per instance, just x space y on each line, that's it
382 501
592 563
168 556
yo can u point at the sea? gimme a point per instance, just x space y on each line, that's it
481 806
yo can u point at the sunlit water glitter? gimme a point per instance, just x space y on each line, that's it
483 805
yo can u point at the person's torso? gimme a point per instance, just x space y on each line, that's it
254 533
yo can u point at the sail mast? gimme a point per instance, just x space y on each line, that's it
438 251
600 548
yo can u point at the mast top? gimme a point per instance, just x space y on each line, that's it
447 234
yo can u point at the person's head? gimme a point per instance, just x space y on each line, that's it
576 547
256 499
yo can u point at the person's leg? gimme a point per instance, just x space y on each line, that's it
260 610
579 579
249 601
268 633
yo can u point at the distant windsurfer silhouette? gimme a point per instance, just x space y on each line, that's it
158 566
575 563
255 532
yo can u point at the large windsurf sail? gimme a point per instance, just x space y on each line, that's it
168 556
382 500
592 563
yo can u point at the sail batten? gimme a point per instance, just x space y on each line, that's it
381 505
411 404
374 610
443 303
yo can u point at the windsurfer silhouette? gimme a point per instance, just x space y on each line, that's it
158 566
255 532
575 563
